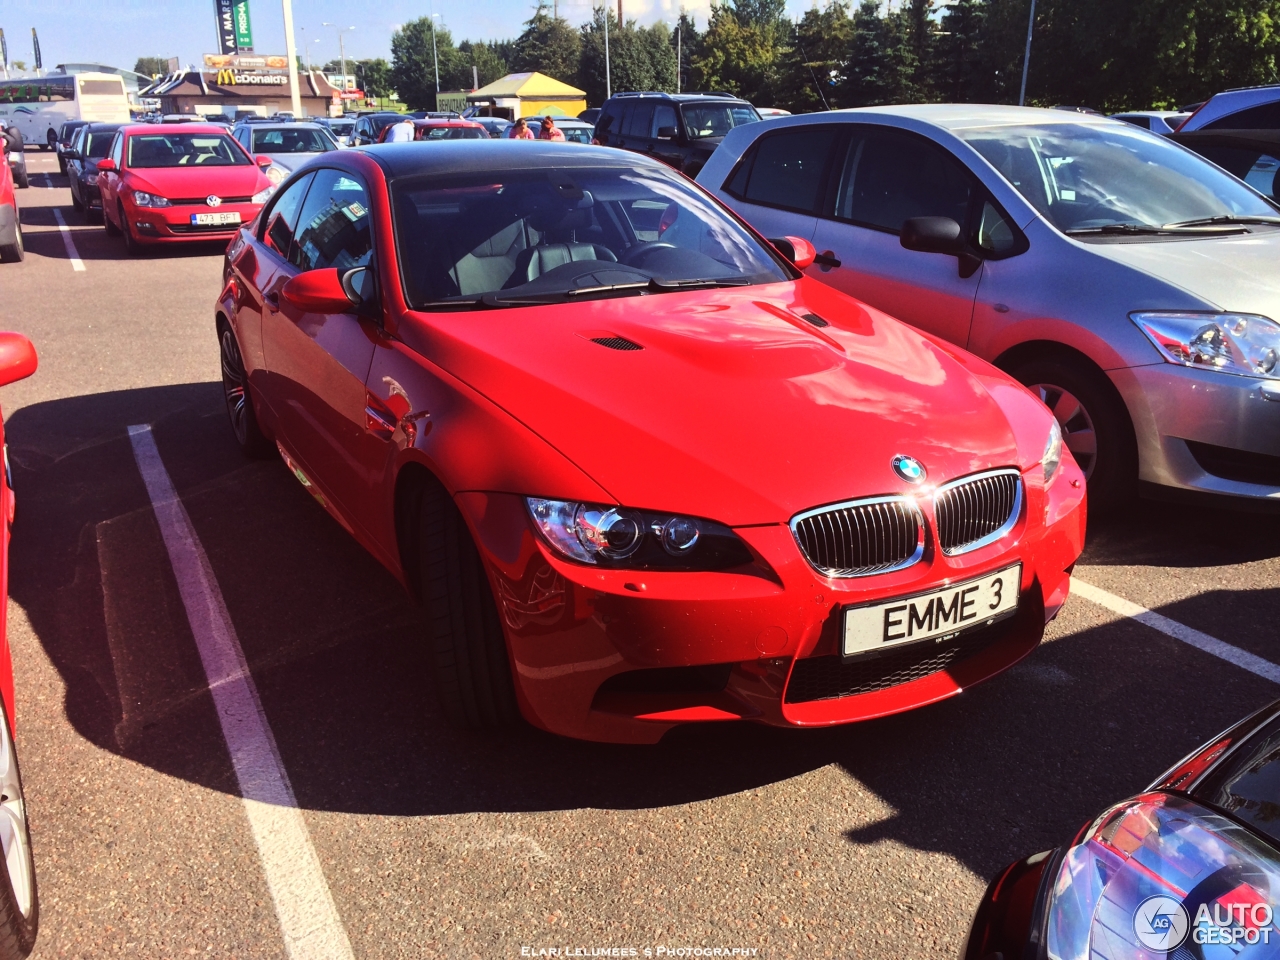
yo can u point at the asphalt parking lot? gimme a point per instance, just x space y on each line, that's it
873 840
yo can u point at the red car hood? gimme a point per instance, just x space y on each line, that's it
736 409
196 183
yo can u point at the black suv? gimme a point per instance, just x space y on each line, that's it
681 129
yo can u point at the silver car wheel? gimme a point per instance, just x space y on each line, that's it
14 836
1077 426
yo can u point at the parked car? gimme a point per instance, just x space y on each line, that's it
769 112
63 143
289 144
496 126
1251 155
11 246
590 115
92 142
442 130
1122 277
16 152
1189 868
179 183
19 899
1249 108
340 129
681 130
576 131
591 555
1157 121
368 127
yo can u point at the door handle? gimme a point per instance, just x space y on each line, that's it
380 423
826 260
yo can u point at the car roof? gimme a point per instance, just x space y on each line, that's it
283 125
960 116
201 127
440 122
469 156
681 97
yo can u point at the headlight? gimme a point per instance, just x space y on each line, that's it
1238 343
144 199
635 539
275 174
262 196
1052 458
1158 872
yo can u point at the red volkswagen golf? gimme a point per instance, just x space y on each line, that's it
637 468
179 183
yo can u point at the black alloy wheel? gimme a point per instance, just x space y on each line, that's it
235 390
1094 422
464 632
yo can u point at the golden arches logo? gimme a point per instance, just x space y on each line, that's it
226 78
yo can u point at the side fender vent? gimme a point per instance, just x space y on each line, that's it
816 320
617 343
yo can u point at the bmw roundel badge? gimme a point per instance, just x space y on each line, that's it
908 468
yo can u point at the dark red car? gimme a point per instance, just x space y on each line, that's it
19 904
638 469
179 183
441 130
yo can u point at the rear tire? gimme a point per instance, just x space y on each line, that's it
252 441
1095 425
21 179
469 652
19 901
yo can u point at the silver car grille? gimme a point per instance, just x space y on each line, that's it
974 511
861 537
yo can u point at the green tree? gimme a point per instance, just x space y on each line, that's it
657 44
374 77
957 55
739 54
685 41
484 57
881 67
639 59
813 64
151 66
548 45
413 70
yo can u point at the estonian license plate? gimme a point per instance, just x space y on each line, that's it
214 219
932 615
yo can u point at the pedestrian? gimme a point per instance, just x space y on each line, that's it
520 131
401 131
550 131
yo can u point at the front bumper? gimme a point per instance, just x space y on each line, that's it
173 224
622 656
1199 430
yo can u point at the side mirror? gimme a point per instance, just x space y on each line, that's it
17 358
262 161
319 291
106 165
666 133
932 235
796 249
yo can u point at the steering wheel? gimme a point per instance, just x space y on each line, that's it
640 252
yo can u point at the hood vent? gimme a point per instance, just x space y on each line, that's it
816 320
617 343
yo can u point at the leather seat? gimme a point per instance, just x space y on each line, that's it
534 262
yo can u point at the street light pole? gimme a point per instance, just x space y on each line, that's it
1026 57
435 62
291 51
679 57
608 80
342 56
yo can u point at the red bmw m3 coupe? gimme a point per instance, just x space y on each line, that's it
637 468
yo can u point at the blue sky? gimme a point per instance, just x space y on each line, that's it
117 32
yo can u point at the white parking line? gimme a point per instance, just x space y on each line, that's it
76 263
304 905
1172 628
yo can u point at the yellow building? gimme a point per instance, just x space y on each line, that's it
528 95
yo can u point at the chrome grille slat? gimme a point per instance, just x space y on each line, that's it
974 511
861 537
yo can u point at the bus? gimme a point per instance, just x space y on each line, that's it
39 106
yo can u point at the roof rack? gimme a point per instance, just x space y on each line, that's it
683 93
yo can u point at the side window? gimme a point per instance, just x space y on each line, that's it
282 217
889 177
1265 116
333 227
786 169
664 115
639 120
1143 122
117 150
609 121
996 235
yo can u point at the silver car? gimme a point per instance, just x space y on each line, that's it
1131 283
288 144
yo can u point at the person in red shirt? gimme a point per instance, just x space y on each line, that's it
550 131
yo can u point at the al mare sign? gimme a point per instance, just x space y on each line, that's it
235 32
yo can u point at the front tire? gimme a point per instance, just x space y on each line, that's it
111 228
235 391
469 653
19 901
130 241
14 252
1095 425
21 179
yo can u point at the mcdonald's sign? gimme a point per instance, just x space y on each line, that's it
226 78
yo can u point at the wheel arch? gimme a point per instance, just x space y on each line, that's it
412 479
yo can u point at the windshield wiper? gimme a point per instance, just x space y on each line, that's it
496 299
1226 219
666 286
1147 229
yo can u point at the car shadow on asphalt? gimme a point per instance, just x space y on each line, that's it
92 241
1203 533
335 648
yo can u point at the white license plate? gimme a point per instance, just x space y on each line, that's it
930 616
214 219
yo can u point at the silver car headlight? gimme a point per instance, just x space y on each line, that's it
144 199
1052 458
1238 343
276 173
262 196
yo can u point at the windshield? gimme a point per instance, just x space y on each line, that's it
291 140
452 133
98 143
342 128
1083 177
513 237
577 134
184 150
716 119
